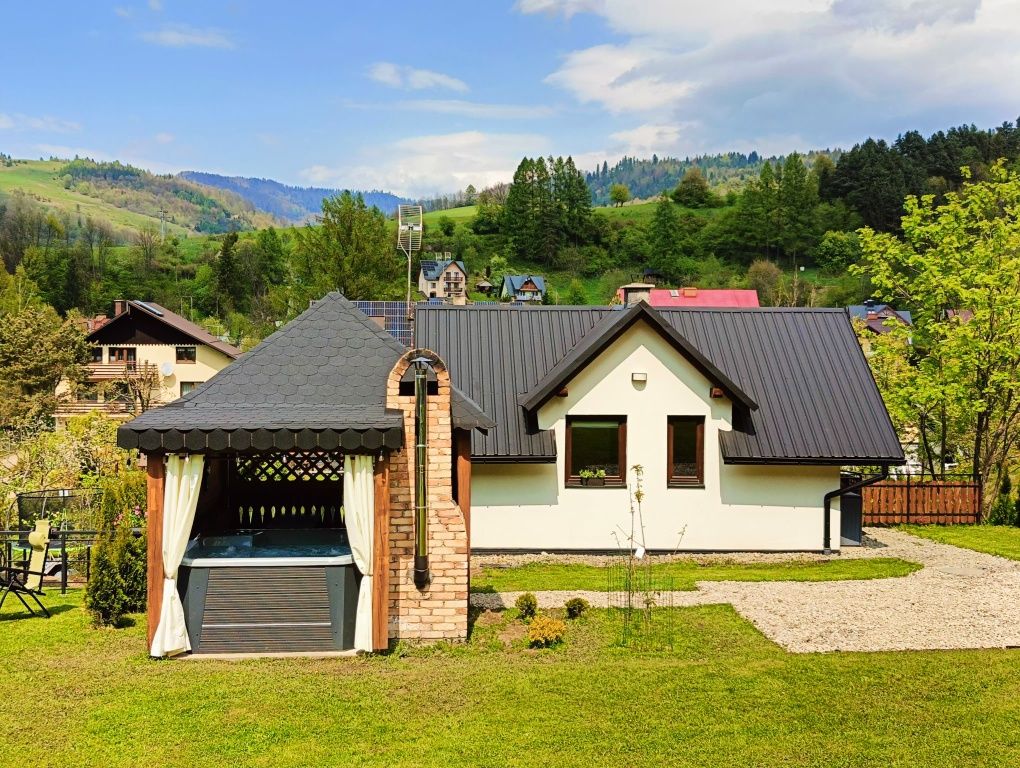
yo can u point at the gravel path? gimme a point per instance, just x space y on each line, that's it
960 599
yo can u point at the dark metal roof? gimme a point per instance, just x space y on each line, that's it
817 400
322 378
494 352
173 320
608 330
518 281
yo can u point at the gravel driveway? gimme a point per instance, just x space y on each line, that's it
960 599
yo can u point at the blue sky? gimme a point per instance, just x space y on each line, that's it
427 97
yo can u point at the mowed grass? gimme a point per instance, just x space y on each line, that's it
534 577
1001 540
723 696
40 180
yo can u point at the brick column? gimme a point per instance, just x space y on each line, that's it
439 611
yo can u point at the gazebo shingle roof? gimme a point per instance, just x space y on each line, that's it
318 382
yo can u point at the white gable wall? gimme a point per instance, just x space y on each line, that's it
526 506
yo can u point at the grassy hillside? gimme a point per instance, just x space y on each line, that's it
129 198
41 181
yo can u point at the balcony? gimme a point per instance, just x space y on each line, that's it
112 408
114 371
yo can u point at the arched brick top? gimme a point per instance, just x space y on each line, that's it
438 367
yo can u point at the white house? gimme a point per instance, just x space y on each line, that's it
149 346
740 419
442 279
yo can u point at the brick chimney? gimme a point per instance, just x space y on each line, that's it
119 307
635 292
690 292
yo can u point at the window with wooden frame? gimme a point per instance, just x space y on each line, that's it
186 354
123 355
97 354
685 451
596 451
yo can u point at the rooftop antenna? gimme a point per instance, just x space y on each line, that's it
409 231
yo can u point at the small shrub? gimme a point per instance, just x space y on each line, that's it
546 632
575 607
104 597
129 554
527 606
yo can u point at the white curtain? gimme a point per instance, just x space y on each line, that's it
180 498
359 505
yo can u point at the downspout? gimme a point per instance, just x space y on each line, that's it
421 510
827 525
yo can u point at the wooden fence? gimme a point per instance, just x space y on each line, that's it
924 502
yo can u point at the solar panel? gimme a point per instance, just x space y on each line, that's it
149 308
395 320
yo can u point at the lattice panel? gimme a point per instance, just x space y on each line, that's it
290 465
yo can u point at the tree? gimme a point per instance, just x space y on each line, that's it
797 198
765 277
351 251
230 280
693 190
38 350
956 267
576 294
619 194
446 225
470 195
837 251
671 248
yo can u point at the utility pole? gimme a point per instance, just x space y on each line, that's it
162 224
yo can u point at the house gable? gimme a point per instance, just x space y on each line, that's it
135 327
605 333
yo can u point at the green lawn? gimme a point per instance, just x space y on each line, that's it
724 696
534 577
1002 540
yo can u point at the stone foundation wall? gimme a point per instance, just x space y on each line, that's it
438 612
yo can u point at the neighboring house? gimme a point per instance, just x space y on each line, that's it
442 279
875 316
523 288
687 297
741 419
145 352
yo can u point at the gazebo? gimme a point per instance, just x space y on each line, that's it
287 510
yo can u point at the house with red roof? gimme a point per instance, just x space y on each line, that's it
687 297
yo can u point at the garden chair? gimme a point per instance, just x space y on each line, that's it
27 581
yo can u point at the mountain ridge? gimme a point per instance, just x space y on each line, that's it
295 204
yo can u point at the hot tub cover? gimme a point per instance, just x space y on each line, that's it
318 382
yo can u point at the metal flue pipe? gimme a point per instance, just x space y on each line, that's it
421 497
827 525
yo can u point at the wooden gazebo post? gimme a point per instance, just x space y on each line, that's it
381 557
156 471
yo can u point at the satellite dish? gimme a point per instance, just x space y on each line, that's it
410 227
166 368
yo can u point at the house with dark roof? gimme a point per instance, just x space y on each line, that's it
528 288
740 419
503 428
142 355
877 316
442 278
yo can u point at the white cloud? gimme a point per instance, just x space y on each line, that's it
427 165
155 5
125 155
46 124
474 109
814 69
124 13
164 138
411 78
183 36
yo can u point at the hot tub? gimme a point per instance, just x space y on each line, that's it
270 592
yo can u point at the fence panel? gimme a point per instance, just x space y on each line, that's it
924 502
